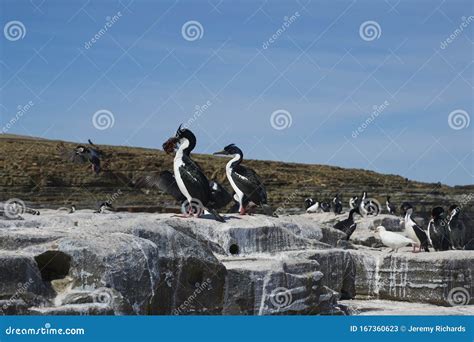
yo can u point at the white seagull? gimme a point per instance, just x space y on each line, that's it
393 240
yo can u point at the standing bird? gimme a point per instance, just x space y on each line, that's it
348 226
190 178
246 183
393 240
353 202
83 154
390 207
337 204
456 227
438 230
414 231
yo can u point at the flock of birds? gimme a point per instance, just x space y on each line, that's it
443 232
189 185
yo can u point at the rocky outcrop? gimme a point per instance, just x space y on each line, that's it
137 264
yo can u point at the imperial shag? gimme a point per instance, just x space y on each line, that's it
246 183
438 230
390 207
311 206
348 226
337 204
414 231
190 178
353 202
83 154
456 227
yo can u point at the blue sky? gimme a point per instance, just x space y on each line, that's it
318 71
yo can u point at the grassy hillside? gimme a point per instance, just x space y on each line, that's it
31 170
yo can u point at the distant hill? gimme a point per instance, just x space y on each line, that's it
31 170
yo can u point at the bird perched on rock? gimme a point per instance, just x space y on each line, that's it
393 240
336 201
190 178
438 230
83 154
246 183
353 202
390 207
413 230
456 227
348 226
105 207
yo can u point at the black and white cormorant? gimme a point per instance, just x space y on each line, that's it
348 226
246 183
438 230
164 181
456 227
353 202
390 206
312 206
336 201
105 207
190 178
83 154
413 230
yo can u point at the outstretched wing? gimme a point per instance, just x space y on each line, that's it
250 184
70 155
163 181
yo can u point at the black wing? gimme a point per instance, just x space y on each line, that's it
220 196
163 181
195 181
71 155
250 184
